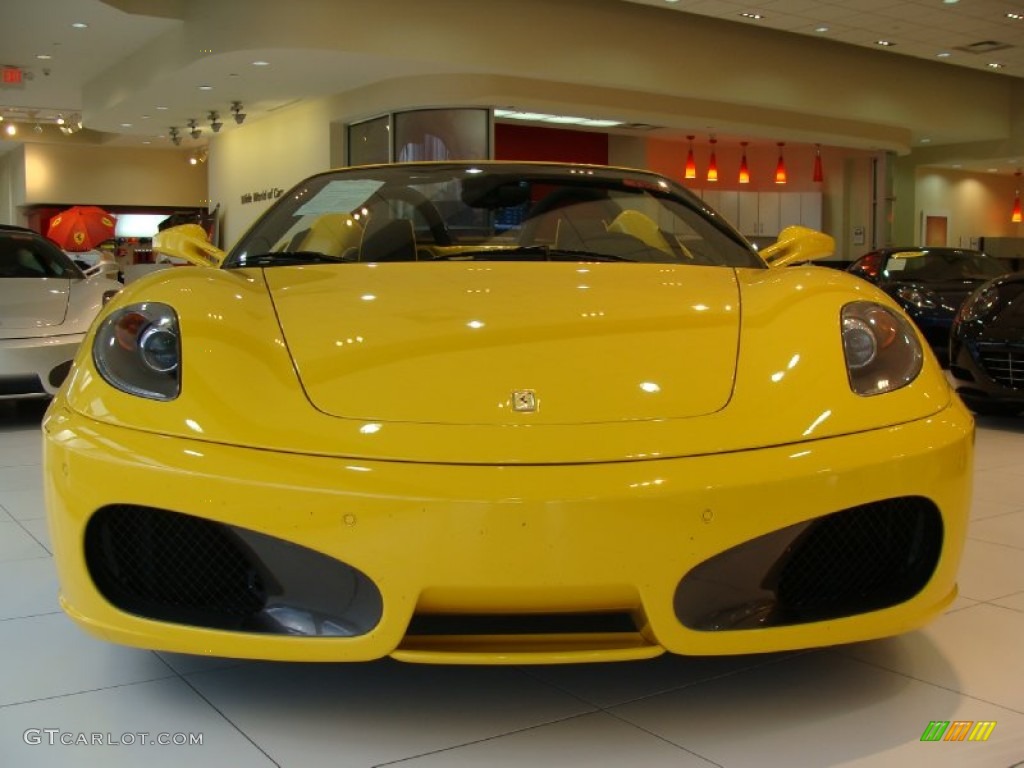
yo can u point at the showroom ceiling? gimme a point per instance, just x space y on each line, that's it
986 35
62 67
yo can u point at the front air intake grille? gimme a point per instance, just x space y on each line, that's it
13 386
849 562
1003 363
520 624
172 566
861 559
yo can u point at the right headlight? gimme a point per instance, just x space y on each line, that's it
881 349
979 305
137 350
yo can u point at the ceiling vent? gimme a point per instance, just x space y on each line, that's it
984 46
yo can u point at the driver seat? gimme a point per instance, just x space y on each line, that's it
387 239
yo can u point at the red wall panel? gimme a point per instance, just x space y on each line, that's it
529 142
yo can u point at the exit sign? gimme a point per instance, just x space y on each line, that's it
12 76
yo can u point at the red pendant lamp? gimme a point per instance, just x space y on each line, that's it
818 175
690 169
1015 217
712 162
780 168
744 168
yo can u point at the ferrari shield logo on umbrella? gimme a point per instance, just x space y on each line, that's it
81 228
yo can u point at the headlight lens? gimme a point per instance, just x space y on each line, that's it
980 305
882 351
921 298
138 350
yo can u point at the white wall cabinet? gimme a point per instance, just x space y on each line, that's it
765 214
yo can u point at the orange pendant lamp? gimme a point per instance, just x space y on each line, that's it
780 167
1015 217
744 177
712 162
818 175
690 169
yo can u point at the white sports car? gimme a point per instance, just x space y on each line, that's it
46 306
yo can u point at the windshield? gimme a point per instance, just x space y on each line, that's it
27 255
939 265
490 211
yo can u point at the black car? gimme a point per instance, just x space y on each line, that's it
986 349
930 283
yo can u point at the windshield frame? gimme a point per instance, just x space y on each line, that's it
438 219
48 256
947 256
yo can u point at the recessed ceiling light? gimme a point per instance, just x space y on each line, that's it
993 170
126 125
162 109
821 29
79 25
44 57
950 2
205 87
754 16
1014 16
926 140
885 43
261 63
145 117
995 65
943 54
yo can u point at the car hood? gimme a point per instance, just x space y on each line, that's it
32 303
511 343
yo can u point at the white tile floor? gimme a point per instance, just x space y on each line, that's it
862 705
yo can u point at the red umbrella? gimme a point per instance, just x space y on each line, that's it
81 228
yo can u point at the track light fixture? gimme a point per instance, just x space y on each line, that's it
215 123
236 110
175 136
195 131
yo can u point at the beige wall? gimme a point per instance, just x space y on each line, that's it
273 154
12 185
105 176
976 205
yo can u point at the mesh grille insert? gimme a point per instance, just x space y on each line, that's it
172 566
861 559
1004 364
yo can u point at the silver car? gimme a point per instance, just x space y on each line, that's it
46 305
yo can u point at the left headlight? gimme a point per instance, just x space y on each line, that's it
882 351
137 349
919 297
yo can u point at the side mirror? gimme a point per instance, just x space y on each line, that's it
189 242
797 245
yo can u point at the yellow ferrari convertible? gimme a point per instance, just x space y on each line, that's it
503 413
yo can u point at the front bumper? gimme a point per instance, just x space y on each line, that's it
36 367
450 546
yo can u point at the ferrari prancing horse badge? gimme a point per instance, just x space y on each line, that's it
524 400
